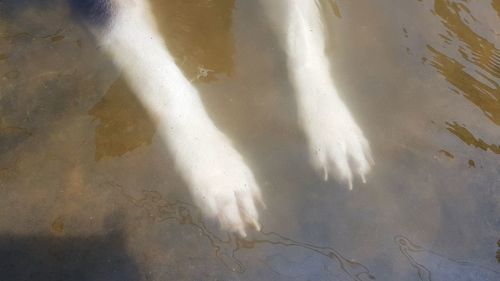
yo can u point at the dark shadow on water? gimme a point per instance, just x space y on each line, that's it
71 258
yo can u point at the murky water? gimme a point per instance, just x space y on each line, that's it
90 193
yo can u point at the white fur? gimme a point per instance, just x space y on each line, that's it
220 181
336 142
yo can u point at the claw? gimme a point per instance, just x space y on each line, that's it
241 232
350 184
256 225
363 178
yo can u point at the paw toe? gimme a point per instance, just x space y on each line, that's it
248 210
343 157
229 216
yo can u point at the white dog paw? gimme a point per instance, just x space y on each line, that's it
224 188
337 145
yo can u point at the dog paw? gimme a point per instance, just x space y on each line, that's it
336 143
224 187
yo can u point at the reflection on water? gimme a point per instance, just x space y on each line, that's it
467 137
327 262
468 58
432 266
422 77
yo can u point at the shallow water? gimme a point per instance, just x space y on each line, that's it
90 193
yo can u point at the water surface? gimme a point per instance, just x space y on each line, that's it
89 191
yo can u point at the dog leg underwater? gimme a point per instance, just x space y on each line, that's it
336 143
220 182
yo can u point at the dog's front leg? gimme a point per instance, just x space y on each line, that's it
336 142
219 180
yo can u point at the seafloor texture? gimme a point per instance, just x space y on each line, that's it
89 192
